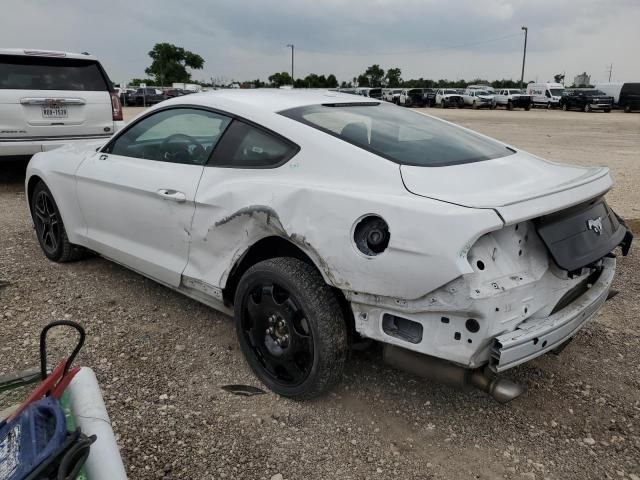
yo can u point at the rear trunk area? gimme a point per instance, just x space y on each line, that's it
43 97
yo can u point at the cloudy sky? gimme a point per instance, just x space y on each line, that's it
244 39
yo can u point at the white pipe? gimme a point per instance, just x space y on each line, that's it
90 414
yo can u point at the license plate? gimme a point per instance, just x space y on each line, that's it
54 112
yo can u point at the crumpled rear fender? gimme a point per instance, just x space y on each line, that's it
428 246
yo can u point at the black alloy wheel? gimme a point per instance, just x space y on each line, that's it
290 327
47 222
49 227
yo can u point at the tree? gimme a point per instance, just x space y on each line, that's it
393 77
332 81
169 63
280 79
138 81
372 77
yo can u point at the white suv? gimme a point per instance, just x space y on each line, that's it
49 99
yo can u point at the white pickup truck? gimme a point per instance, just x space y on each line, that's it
513 98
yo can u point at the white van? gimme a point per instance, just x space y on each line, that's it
49 99
545 94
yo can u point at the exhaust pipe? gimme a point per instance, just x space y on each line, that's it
500 389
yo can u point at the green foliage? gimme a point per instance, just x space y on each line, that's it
280 79
393 77
169 64
372 77
138 81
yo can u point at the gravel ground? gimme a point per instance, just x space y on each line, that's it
161 359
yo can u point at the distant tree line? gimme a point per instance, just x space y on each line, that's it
375 76
169 64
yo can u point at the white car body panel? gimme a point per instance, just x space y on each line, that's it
131 216
442 221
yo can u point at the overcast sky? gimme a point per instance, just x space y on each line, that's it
435 39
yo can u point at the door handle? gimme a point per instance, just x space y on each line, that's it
172 195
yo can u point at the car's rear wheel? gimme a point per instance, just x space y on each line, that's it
509 105
49 226
291 328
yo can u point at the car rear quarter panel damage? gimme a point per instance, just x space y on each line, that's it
429 239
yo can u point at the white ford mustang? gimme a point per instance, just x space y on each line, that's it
318 218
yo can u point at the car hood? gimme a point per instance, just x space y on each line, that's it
507 184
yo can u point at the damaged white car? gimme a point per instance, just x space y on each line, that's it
317 218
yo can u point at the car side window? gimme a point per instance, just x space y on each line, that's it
246 146
177 135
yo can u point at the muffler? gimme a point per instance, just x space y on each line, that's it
500 389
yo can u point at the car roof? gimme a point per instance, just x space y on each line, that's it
26 52
267 100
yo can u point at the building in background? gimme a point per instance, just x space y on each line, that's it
582 80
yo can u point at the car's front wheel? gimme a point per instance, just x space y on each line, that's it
291 328
50 230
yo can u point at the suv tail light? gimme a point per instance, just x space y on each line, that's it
116 108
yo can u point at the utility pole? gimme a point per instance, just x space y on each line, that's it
610 71
524 55
292 78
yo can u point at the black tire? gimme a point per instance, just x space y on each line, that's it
527 108
548 105
288 298
49 227
587 108
509 105
627 109
607 110
565 107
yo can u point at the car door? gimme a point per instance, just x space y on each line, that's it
137 194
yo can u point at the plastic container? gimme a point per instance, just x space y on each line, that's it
30 438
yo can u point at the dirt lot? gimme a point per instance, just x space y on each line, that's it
161 359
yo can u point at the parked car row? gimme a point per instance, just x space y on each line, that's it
548 95
149 95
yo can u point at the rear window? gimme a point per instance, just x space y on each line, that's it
399 134
40 73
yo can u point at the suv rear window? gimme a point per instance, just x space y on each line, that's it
399 134
19 72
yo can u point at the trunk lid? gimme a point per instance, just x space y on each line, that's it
508 184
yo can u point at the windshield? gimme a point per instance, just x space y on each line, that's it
482 92
398 134
595 93
556 92
450 92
